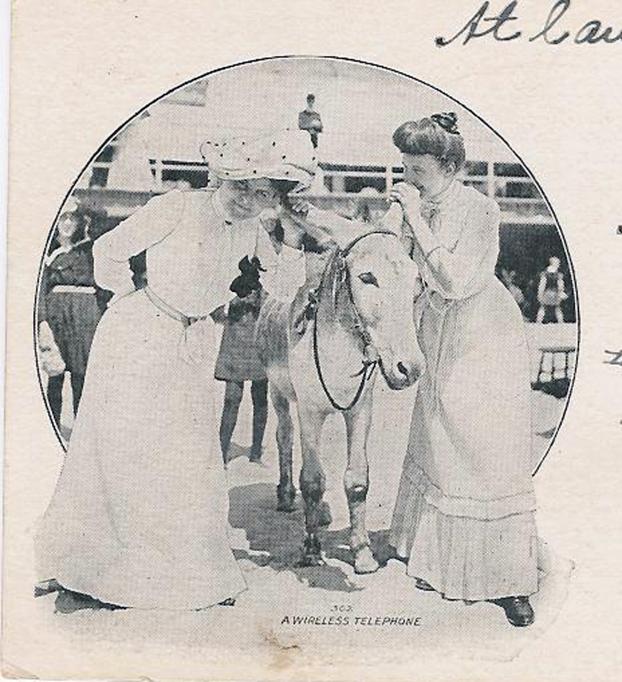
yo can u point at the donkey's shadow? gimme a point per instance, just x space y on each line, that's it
279 537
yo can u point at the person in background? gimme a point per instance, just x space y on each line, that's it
238 361
310 120
551 292
69 311
464 519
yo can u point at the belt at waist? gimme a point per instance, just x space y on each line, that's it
72 289
162 305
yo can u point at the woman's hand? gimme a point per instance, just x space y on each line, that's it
283 225
269 219
219 315
51 359
409 199
299 206
46 337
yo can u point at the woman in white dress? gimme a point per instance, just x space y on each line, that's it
139 515
464 516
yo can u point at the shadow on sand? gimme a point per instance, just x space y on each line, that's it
275 539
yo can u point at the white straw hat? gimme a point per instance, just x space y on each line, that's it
283 155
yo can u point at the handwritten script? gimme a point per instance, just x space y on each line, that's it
556 29
615 357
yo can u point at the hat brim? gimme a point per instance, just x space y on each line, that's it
301 176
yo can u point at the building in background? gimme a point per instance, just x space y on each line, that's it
358 161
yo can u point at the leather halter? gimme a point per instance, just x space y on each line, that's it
369 365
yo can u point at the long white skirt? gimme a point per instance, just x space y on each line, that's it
139 515
464 515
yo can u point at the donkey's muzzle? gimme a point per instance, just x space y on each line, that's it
402 373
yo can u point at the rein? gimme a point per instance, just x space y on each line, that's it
369 365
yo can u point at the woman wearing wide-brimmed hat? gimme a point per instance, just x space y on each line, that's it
139 515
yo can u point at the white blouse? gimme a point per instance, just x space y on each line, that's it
193 253
456 241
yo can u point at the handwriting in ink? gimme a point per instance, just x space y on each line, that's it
555 30
615 359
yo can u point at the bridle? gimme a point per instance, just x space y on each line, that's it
370 359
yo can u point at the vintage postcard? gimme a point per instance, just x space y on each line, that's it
314 351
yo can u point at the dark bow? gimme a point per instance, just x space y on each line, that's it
249 279
448 121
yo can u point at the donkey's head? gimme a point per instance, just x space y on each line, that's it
384 285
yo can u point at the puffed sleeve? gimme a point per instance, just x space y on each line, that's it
147 226
454 269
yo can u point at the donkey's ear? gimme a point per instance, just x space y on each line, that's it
339 273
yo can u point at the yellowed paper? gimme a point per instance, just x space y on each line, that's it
113 103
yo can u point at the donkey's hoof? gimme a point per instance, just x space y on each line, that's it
325 518
364 561
311 552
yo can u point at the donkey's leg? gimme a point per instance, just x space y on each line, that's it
286 492
356 482
312 482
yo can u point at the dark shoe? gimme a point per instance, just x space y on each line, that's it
423 585
47 587
518 610
230 601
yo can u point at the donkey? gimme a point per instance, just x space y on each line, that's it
354 313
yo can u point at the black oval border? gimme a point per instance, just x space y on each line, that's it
350 60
